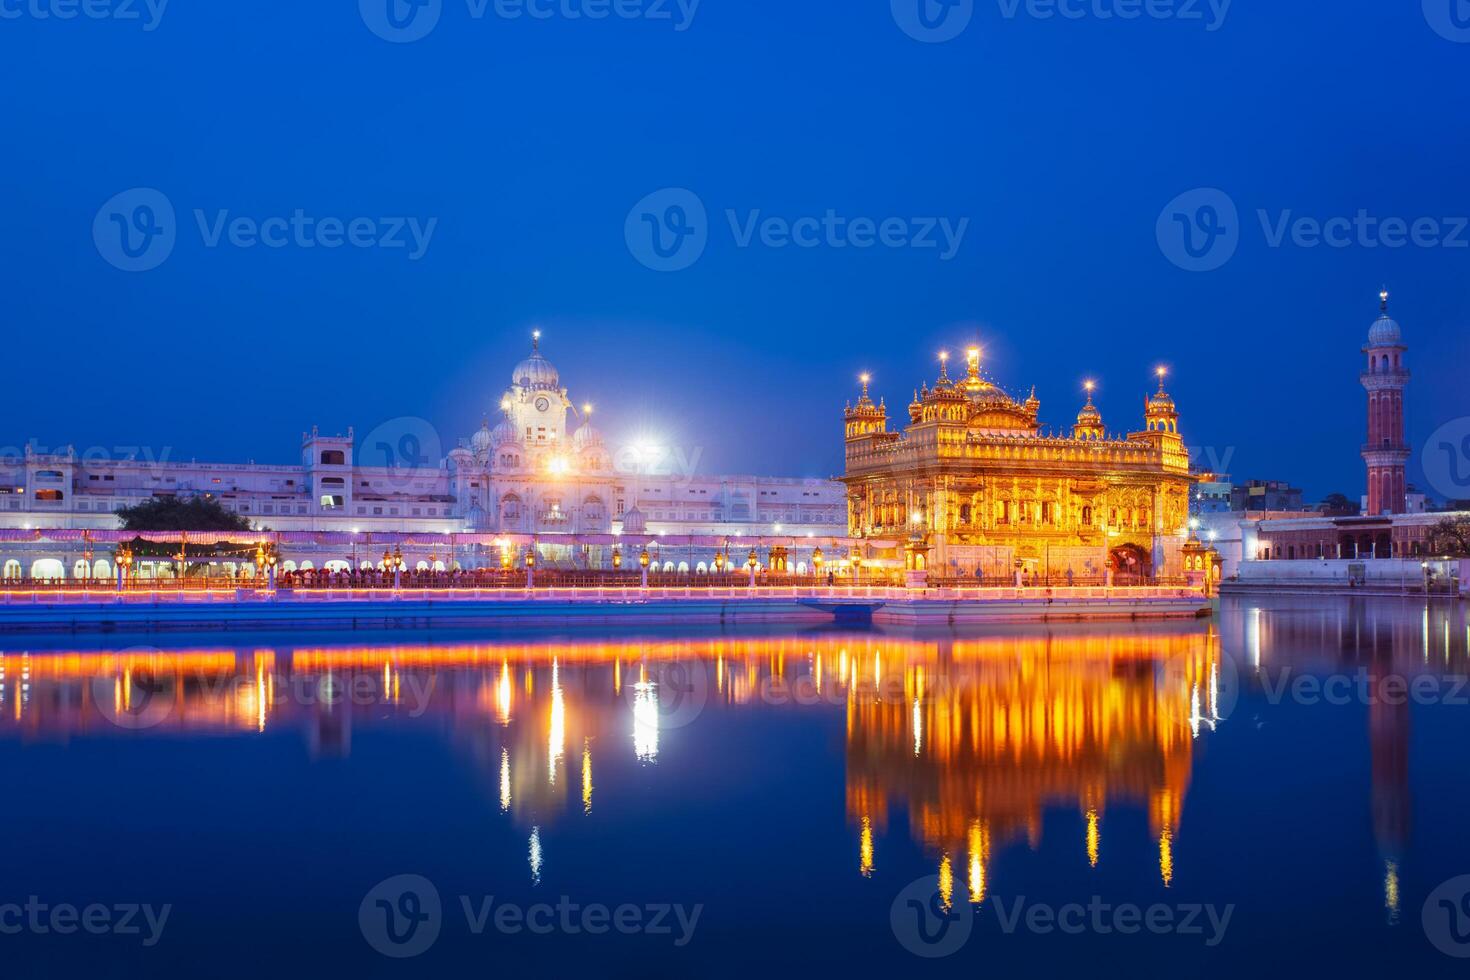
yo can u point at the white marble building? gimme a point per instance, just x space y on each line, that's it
535 472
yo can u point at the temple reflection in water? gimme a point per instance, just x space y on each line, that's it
974 740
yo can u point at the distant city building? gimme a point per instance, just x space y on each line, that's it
1395 522
1263 495
974 485
1212 493
1414 502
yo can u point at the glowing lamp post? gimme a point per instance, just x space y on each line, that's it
817 560
753 561
123 559
265 564
617 559
506 560
719 562
643 561
397 564
531 567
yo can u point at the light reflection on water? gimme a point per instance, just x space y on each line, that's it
961 746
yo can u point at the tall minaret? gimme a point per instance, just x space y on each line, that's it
1385 452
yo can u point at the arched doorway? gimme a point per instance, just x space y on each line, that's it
48 568
1130 565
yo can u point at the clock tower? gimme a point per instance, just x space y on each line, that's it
535 403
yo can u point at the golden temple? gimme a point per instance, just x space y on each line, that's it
978 490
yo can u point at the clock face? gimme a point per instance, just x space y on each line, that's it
542 404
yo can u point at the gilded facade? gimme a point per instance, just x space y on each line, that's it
975 486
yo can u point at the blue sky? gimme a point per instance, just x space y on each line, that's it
523 143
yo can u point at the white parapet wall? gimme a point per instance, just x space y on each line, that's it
1372 574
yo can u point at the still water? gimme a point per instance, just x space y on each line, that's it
1283 788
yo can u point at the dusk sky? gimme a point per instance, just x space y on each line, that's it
524 145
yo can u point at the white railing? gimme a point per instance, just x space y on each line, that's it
598 594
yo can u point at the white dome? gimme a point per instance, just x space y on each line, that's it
586 435
504 432
633 522
480 441
1385 332
536 372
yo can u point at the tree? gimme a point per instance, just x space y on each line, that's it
1450 538
181 514
1338 505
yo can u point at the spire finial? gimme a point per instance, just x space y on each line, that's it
1383 300
944 367
866 379
536 341
1162 372
1089 387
